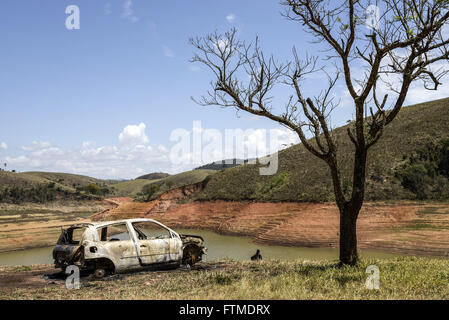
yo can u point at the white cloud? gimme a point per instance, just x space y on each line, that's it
36 145
109 162
128 11
133 135
132 155
418 94
168 52
240 144
3 145
263 142
230 17
88 144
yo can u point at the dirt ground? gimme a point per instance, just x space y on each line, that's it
33 225
26 277
401 227
39 276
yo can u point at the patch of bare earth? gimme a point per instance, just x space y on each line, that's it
405 227
32 226
11 279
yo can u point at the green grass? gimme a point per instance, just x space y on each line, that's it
309 177
400 278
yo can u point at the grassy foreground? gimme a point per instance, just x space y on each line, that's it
400 278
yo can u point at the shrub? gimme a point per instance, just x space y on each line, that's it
414 178
149 191
426 172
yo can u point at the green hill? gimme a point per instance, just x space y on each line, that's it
133 188
154 176
48 186
223 164
303 177
184 178
67 184
130 188
64 180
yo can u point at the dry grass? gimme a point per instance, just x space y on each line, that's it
401 278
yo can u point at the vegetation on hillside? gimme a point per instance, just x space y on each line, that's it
140 189
223 164
95 189
154 176
40 194
309 180
154 189
149 191
426 171
64 180
41 187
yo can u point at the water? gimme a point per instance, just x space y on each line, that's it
27 257
241 248
219 247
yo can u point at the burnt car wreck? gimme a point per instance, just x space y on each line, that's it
124 246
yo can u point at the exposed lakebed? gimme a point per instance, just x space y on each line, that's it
219 247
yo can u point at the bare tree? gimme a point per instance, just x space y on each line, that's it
405 43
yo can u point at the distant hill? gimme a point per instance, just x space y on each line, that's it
402 165
223 164
303 177
153 176
49 186
69 184
133 188
63 180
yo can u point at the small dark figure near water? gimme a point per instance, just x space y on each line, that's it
257 256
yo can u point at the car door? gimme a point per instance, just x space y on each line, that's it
175 244
153 242
117 241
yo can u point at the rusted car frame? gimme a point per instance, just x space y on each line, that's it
121 246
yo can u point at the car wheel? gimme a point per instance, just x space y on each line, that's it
99 273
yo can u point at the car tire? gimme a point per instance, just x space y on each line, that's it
99 273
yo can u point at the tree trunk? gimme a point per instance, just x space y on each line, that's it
349 212
348 236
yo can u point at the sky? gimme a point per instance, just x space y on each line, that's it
107 99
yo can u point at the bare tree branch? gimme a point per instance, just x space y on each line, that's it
404 46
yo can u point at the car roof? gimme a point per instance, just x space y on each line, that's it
108 223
